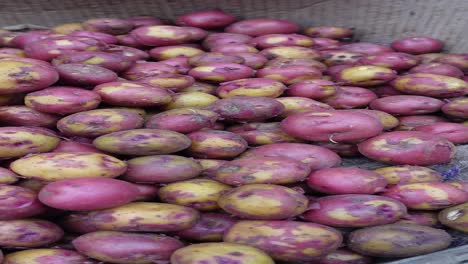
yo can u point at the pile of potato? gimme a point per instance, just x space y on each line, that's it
215 141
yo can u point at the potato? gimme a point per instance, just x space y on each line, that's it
313 89
144 217
56 166
290 52
79 74
462 185
325 43
209 228
427 195
425 218
365 75
18 202
206 19
366 48
418 45
104 37
141 70
262 26
7 176
6 38
294 105
210 166
398 240
234 48
28 233
200 194
388 121
98 122
216 144
19 75
62 100
167 52
342 149
161 35
332 32
130 41
77 223
277 40
30 36
140 21
221 72
182 120
86 194
75 146
281 61
404 174
226 252
438 68
407 104
314 156
454 132
127 52
346 181
408 148
161 169
25 116
457 107
213 57
273 170
252 60
53 47
171 81
289 74
412 122
6 53
385 90
263 202
133 248
455 217
397 61
256 87
339 126
21 141
141 142
221 39
180 63
306 241
111 26
196 34
431 85
344 256
347 97
51 256
458 60
132 94
191 100
246 108
332 57
111 61
262 133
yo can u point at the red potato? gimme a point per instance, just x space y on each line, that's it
388 121
27 37
407 104
180 63
140 21
342 149
313 89
296 62
385 90
344 256
62 100
346 181
289 74
52 256
454 132
438 68
25 116
210 166
111 61
366 48
170 81
325 43
457 107
425 218
294 105
7 176
17 202
332 32
256 87
397 61
408 148
262 26
104 37
130 41
427 195
332 57
431 85
276 40
111 26
252 60
246 108
16 142
347 97
430 57
74 146
459 60
209 228
262 133
418 45
133 248
412 122
196 34
354 210
206 19
213 57
221 72
28 233
86 194
84 74
314 156
365 75
216 144
290 52
183 120
168 52
455 217
161 169
161 35
51 48
132 94
334 126
408 174
220 39
127 52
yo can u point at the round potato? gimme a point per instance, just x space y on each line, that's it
216 144
110 61
28 233
52 256
171 81
57 166
191 100
209 228
220 39
280 61
50 48
418 45
161 35
252 60
404 174
18 115
182 120
459 60
277 40
455 217
202 87
19 141
79 74
263 202
262 87
17 202
433 85
262 133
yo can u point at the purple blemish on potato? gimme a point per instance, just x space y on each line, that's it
103 217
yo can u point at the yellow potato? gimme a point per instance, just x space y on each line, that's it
20 141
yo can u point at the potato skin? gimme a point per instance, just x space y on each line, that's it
261 87
366 75
111 61
79 74
313 89
183 120
289 74
262 26
168 52
133 248
228 252
161 169
46 256
262 133
454 132
413 121
306 241
433 85
387 120
344 256
438 68
347 97
277 40
354 210
191 100
17 202
332 32
209 228
455 217
398 240
263 202
267 170
18 115
418 45
213 57
75 146
56 166
28 233
408 148
397 61
366 48
145 69
220 39
132 94
404 174
221 72
458 60
7 176
346 181
113 26
206 19
427 195
53 47
144 217
201 194
19 141
294 105
426 218
215 144
457 108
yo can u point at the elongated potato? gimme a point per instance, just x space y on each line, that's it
294 105
366 75
276 40
426 218
366 48
79 74
161 35
251 87
393 60
28 233
216 144
313 89
111 61
17 202
291 52
454 132
18 115
413 121
457 108
147 69
213 57
50 48
144 217
408 174
387 120
7 176
182 120
455 217
191 100
20 141
113 26
168 52
262 133
77 223
221 72
333 32
68 165
347 97
43 256
431 85
289 74
262 26
209 228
